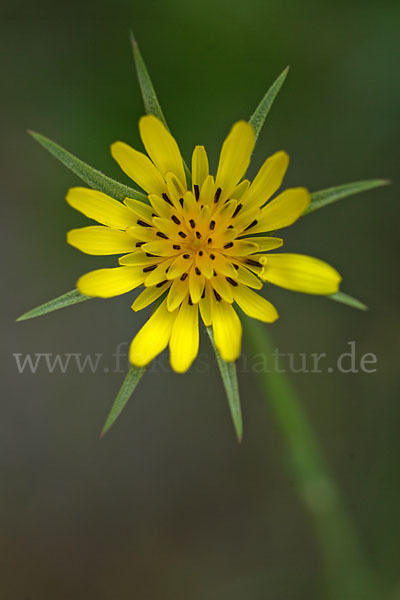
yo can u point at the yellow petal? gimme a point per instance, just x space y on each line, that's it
240 248
204 263
223 288
227 330
223 266
266 243
143 234
268 180
240 189
235 156
224 237
253 264
153 337
139 168
192 214
170 228
161 206
196 284
246 217
207 191
100 240
190 205
206 304
139 259
284 210
177 292
200 168
176 189
149 295
179 266
247 277
161 147
301 273
158 274
224 214
254 305
184 342
105 283
162 248
204 217
100 207
141 210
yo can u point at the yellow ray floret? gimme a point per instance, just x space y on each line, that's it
200 249
300 273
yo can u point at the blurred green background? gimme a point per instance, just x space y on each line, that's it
168 505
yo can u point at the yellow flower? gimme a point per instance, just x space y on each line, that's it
201 249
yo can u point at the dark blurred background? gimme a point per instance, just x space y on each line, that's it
168 505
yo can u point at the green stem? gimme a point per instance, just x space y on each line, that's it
348 575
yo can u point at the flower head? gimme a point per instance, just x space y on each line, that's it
200 249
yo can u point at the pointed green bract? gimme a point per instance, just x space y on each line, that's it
325 197
149 95
63 301
131 380
349 300
229 378
94 178
257 119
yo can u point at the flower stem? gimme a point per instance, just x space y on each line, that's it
347 572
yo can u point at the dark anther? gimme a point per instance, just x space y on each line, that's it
186 256
198 235
251 224
196 191
212 256
212 225
148 269
161 283
167 199
237 209
190 301
198 272
151 255
204 293
142 223
235 266
176 247
162 235
201 253
183 277
192 224
228 245
214 273
217 296
209 241
181 202
175 219
232 281
230 227
254 263
138 244
217 194
183 235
